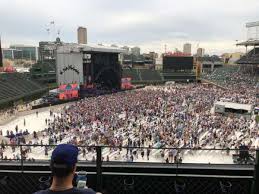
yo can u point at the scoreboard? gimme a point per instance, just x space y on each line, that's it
178 63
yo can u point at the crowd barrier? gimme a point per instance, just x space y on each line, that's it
129 182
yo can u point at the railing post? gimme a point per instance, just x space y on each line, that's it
21 158
98 168
256 174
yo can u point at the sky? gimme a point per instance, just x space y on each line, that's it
150 24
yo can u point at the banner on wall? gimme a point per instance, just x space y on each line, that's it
68 91
126 83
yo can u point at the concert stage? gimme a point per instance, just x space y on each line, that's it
88 65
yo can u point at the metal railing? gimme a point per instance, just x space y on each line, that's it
156 154
99 155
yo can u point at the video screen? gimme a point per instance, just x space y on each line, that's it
177 63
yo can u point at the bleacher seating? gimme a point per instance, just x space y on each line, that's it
44 72
16 86
149 74
133 73
221 75
252 57
43 67
155 76
176 76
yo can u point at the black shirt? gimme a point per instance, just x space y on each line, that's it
68 191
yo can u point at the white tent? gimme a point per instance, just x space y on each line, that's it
234 106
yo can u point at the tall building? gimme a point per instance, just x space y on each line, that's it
150 58
11 54
82 35
127 49
46 50
135 51
27 52
200 52
187 48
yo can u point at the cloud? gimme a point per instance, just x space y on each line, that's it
147 23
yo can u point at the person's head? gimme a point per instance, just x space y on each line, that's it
63 161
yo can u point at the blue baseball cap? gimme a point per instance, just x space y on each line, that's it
64 155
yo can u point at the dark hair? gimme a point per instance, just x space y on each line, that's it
61 170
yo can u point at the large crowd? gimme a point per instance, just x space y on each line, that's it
238 83
175 116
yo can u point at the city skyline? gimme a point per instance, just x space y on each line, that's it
150 25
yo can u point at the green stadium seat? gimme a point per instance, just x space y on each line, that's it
15 85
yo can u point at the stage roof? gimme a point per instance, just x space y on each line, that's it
249 43
73 47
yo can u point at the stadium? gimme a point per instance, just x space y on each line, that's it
180 129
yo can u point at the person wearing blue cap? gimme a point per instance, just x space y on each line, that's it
63 167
